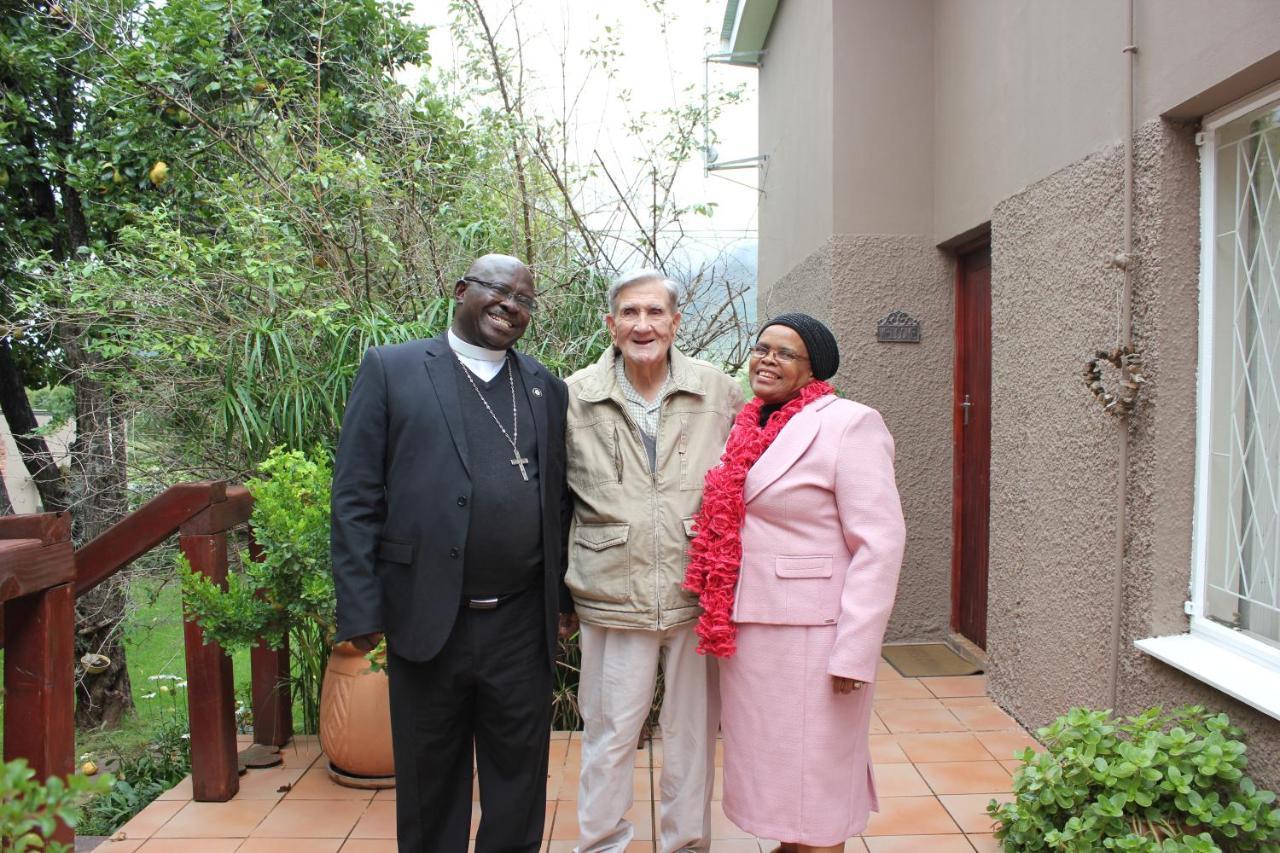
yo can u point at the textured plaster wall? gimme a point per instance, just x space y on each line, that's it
850 283
1053 477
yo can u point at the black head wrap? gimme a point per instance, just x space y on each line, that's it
824 353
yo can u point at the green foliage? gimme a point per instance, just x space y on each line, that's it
30 809
1154 782
58 401
142 775
289 591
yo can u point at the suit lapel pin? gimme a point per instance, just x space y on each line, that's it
537 392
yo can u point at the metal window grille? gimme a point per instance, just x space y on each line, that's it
1241 553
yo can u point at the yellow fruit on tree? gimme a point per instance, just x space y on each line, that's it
88 768
159 173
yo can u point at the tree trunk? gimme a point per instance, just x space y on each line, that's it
100 482
22 423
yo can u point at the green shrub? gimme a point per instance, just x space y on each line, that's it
1155 782
30 809
289 593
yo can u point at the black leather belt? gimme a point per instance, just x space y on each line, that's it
488 602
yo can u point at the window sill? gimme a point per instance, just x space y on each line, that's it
1221 667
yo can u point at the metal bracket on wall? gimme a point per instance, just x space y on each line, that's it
709 154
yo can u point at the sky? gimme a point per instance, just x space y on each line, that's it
661 64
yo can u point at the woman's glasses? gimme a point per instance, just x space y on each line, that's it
782 356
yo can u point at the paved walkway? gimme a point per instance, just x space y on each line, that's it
942 749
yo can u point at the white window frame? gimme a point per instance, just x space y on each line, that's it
1228 660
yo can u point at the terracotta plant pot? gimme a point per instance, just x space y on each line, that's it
355 721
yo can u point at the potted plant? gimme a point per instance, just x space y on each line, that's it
1153 782
288 592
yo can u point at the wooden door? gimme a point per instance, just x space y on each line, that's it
972 493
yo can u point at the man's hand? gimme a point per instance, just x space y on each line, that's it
366 643
845 685
568 625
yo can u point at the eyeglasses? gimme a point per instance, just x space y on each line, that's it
505 292
783 356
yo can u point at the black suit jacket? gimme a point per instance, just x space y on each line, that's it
401 497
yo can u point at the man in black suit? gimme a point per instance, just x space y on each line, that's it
449 510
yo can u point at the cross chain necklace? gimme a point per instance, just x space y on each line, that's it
516 458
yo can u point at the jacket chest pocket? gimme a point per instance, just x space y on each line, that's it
595 455
698 447
806 587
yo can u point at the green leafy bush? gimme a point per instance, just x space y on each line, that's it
142 775
1155 782
289 593
30 809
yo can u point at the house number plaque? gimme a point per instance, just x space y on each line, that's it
898 327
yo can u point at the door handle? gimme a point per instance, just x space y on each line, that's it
966 405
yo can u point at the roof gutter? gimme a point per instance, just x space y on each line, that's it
744 30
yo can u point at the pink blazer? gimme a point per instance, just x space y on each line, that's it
823 535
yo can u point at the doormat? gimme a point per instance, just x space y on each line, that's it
923 660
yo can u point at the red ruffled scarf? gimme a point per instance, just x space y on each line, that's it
715 555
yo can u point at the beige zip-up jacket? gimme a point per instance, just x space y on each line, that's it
629 542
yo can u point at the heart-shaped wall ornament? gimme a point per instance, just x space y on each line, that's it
1119 396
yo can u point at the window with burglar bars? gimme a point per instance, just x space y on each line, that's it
1237 590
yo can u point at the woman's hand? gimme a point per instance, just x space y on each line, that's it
845 685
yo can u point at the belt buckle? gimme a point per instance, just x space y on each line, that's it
490 603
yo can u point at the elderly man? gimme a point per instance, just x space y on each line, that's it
645 424
449 507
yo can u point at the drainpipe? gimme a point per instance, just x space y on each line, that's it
1125 262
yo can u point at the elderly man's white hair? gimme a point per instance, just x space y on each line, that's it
640 277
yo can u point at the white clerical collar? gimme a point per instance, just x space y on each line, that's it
469 350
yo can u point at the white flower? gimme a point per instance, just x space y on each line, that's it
150 695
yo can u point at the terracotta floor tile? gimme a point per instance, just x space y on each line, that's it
735 845
385 794
122 846
559 749
561 734
565 825
887 707
918 844
722 827
145 823
190 845
956 685
717 793
950 746
642 816
905 815
180 791
969 811
573 752
886 672
908 721
877 726
1013 765
315 784
378 821
967 777
985 718
290 845
266 784
644 786
900 780
1003 745
234 819
567 783
311 819
902 688
885 750
368 845
985 843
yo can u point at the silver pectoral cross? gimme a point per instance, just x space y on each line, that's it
521 461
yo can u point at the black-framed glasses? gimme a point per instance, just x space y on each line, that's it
783 356
528 303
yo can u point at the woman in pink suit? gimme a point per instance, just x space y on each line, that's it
796 561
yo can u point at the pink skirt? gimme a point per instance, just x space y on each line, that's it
797 765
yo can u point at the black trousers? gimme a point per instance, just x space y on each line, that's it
490 686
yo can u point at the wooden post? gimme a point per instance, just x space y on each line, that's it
210 688
39 716
272 698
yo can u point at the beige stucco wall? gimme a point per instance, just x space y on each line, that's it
796 90
1024 89
1054 452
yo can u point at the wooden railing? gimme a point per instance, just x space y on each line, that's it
40 577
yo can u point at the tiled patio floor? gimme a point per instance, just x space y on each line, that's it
942 749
